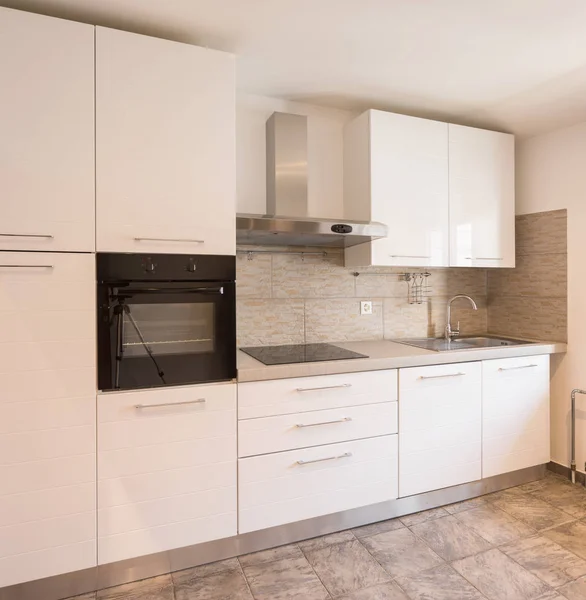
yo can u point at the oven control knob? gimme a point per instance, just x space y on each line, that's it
149 265
192 266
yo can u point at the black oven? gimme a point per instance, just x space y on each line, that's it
165 319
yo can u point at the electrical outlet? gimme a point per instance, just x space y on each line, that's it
365 307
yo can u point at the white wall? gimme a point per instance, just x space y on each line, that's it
551 174
325 144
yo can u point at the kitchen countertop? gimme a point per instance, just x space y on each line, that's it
384 354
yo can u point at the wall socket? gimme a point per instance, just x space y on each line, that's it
366 307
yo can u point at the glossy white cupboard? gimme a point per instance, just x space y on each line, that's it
47 125
482 198
396 172
165 146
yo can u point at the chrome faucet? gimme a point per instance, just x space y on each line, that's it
452 333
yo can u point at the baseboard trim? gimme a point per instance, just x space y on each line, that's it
566 472
104 576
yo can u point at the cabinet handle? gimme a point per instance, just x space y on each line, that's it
406 256
26 266
325 387
27 235
317 460
198 401
344 420
519 367
184 240
483 258
441 376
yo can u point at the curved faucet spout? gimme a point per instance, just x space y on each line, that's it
450 333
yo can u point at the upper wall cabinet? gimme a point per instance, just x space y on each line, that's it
47 133
165 146
396 172
482 198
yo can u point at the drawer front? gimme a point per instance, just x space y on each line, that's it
166 469
301 394
515 416
301 484
440 427
287 432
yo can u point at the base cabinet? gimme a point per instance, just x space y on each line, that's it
515 414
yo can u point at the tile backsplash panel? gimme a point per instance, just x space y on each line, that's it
283 298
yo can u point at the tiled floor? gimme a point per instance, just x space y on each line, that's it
525 543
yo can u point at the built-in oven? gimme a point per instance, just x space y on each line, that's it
165 319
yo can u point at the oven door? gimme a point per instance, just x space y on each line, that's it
158 334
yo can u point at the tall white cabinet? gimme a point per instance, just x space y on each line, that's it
47 133
482 198
165 146
396 172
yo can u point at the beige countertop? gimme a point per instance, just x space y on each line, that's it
383 354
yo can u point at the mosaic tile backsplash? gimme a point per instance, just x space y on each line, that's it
283 298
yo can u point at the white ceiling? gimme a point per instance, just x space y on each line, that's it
514 65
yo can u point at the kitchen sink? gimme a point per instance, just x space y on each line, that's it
464 343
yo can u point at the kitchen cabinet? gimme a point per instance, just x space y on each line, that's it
396 172
47 125
47 415
166 469
165 146
440 421
482 198
515 414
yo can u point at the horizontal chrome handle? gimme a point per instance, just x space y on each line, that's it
325 387
318 460
406 256
198 401
441 376
26 266
344 420
483 258
519 367
183 240
27 235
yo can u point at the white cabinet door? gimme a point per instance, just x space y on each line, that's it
515 414
47 133
406 185
47 415
482 198
165 146
166 469
439 427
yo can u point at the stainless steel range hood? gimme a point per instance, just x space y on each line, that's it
286 222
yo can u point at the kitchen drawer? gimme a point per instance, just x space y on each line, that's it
439 377
287 432
301 484
302 394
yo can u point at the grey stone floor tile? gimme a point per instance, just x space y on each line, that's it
230 564
285 579
425 515
552 595
401 553
326 540
384 591
498 577
572 536
532 511
494 525
270 555
546 559
563 495
155 588
576 590
376 528
459 507
441 583
347 567
227 585
449 538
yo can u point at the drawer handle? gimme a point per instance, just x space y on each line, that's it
26 266
27 235
519 367
152 239
198 401
406 256
301 463
325 387
483 258
344 420
441 376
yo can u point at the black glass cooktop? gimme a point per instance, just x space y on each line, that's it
300 353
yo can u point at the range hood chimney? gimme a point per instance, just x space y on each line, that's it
286 222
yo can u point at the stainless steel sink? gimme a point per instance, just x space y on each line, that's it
464 343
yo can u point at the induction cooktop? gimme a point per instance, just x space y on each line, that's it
300 353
